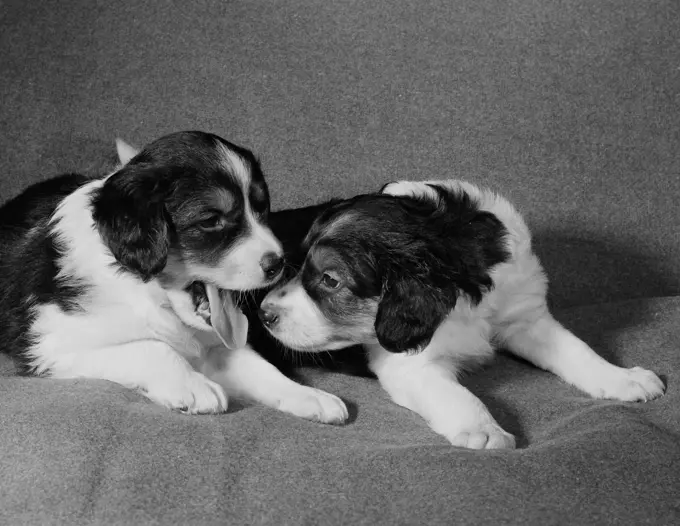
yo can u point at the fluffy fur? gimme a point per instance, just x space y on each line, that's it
96 274
430 277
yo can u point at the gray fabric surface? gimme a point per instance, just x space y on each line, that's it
570 108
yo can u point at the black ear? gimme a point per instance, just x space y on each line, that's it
409 314
130 215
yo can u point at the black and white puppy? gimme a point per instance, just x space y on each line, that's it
95 274
429 277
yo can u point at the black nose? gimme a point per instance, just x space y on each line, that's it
271 264
268 316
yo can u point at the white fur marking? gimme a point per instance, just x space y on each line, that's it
236 165
301 326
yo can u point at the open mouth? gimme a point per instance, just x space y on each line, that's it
219 310
199 296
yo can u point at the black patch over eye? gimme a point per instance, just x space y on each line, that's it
212 223
329 281
259 200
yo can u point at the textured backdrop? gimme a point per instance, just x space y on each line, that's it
568 107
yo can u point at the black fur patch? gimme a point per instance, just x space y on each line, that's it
156 202
347 306
28 262
419 256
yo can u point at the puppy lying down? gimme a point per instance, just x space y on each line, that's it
430 277
214 330
95 276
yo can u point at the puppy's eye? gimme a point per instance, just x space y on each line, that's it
329 281
212 223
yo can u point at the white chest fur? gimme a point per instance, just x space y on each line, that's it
115 308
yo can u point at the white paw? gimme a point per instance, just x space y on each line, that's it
314 404
193 394
489 436
630 385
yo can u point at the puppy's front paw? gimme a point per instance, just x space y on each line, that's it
630 385
489 436
314 404
193 394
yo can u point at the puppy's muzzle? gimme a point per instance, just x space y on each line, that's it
269 315
272 265
270 308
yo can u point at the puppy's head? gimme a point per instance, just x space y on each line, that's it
386 269
190 206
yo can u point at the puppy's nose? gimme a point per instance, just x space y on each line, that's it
271 264
268 315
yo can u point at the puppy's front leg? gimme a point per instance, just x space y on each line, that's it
152 366
429 387
245 374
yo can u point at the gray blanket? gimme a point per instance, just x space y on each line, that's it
570 108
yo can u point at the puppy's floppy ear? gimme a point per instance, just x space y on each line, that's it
409 314
125 151
130 215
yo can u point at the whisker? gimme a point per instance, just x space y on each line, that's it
331 356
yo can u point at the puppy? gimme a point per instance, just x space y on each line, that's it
96 274
227 359
430 277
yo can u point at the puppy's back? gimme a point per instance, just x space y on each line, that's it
28 255
519 236
519 283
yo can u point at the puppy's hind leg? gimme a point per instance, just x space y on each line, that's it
245 374
548 345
